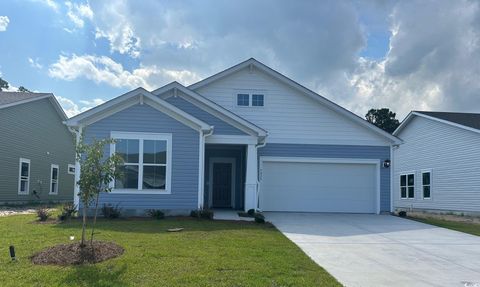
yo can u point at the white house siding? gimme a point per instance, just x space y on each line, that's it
452 153
288 116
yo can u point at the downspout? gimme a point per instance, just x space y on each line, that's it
76 198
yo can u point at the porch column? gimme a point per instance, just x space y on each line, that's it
251 178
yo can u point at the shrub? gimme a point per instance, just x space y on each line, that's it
43 214
259 218
202 213
111 212
402 214
68 211
251 212
156 213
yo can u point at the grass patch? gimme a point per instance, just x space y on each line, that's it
205 253
467 227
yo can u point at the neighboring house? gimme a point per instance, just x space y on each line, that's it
247 137
437 168
36 149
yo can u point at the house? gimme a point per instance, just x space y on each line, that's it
247 137
37 152
437 168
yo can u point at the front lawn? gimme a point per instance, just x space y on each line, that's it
206 253
467 227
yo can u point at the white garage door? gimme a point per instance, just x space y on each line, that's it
318 186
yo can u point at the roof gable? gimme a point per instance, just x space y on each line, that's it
210 107
252 63
467 121
10 99
137 96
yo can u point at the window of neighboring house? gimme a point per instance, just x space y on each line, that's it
426 184
243 100
146 162
23 176
71 169
54 179
257 100
407 185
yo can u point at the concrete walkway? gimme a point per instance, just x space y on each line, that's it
383 250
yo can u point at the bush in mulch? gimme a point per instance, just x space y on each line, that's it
73 254
402 213
43 214
202 213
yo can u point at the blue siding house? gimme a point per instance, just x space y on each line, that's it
247 137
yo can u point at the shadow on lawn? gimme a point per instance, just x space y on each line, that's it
146 225
94 275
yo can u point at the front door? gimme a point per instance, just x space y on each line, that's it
222 182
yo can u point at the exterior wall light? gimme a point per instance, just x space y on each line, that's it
386 163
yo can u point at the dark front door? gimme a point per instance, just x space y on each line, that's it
222 184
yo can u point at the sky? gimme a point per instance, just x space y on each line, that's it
403 55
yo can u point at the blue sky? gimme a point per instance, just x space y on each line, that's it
359 54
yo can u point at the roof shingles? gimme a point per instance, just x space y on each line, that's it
9 98
465 119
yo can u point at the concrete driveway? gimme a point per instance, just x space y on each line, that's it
383 250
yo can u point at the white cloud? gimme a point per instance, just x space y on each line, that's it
78 12
49 3
71 108
34 63
102 69
4 23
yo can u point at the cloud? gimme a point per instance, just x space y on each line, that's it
49 3
71 108
78 12
102 69
4 23
34 63
433 62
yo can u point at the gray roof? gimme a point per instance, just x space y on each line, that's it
465 119
9 98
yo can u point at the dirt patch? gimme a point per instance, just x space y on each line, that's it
73 254
447 217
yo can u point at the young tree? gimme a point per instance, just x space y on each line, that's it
383 118
97 172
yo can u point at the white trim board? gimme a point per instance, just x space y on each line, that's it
412 114
375 162
252 63
230 139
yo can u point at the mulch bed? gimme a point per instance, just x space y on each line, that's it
73 254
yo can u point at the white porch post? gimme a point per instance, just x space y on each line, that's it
76 188
251 180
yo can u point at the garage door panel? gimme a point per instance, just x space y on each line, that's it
318 187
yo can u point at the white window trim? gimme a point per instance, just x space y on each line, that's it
431 183
141 137
407 173
69 167
23 160
250 94
55 192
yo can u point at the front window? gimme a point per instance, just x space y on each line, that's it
426 184
407 185
24 176
54 179
146 162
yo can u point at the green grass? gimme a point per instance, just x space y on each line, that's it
471 228
206 253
